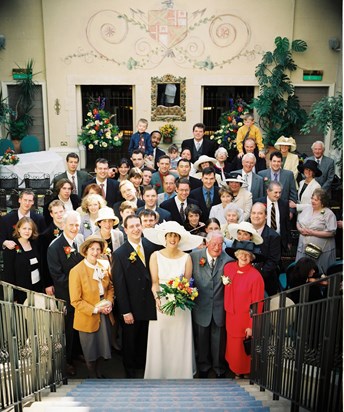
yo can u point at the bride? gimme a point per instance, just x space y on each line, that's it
170 346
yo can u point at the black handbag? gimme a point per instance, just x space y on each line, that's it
247 345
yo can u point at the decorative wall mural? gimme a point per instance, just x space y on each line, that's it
167 33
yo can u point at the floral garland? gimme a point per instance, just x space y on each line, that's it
168 131
230 122
99 133
9 158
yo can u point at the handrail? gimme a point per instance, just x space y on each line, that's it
297 348
32 346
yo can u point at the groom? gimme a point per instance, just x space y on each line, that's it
132 281
208 313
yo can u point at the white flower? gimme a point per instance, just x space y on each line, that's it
90 146
89 114
240 124
104 144
226 280
96 142
92 131
170 297
108 135
115 138
97 122
219 141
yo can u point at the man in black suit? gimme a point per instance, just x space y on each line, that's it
137 159
109 187
136 304
7 222
157 153
198 145
184 169
249 147
63 255
57 210
150 197
77 177
277 213
207 195
177 205
271 249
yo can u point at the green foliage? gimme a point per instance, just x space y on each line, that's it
277 106
326 114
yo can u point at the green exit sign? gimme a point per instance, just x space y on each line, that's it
313 75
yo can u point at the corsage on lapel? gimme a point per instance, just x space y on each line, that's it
18 249
132 257
68 251
202 261
226 280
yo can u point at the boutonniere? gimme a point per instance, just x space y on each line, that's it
68 251
56 232
226 280
266 180
17 249
108 251
157 185
322 211
87 225
202 261
132 257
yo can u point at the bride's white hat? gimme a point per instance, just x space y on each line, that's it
158 234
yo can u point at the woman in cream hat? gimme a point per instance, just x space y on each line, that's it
242 197
170 343
92 295
203 162
105 221
244 231
290 161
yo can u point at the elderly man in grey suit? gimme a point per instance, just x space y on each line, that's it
325 164
254 181
208 313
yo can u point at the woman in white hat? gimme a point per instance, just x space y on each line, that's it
290 161
203 162
244 231
105 221
241 196
92 295
170 343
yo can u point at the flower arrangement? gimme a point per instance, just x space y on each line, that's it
202 261
168 131
9 158
226 280
132 257
179 293
68 251
230 122
99 133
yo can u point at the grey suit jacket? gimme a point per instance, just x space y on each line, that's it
286 179
257 187
327 168
209 303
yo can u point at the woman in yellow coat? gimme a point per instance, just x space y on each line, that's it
92 293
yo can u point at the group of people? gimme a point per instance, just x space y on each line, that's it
104 244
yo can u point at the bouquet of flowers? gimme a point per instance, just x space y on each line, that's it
9 158
230 122
179 293
99 133
168 131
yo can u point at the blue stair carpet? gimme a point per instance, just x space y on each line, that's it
223 395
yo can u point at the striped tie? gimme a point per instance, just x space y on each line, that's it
273 217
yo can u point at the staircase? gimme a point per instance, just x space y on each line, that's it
158 395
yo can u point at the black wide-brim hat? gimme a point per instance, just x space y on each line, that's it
311 165
248 247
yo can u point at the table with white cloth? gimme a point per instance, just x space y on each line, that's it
45 162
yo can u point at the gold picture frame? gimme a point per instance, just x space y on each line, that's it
168 98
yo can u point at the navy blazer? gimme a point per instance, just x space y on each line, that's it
48 219
8 222
197 194
132 281
208 148
171 206
113 194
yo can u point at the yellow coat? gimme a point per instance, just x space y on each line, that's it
84 295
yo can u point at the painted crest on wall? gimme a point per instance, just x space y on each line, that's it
168 27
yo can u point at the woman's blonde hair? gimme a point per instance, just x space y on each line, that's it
92 197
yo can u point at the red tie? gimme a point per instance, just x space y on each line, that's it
102 189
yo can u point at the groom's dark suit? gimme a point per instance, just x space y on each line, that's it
59 267
132 281
208 314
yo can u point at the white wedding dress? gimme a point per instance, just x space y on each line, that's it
170 353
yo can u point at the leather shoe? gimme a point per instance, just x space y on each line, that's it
71 371
203 374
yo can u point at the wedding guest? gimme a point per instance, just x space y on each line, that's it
218 211
26 201
184 171
317 225
170 343
186 154
157 153
90 206
205 162
208 314
135 177
146 176
241 196
150 197
169 186
250 147
164 164
193 221
325 164
105 221
22 264
128 192
233 214
92 188
64 193
222 167
123 169
132 281
149 218
92 295
199 145
290 161
244 285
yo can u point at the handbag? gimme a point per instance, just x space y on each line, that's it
247 345
313 251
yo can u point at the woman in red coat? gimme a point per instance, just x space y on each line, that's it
243 286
